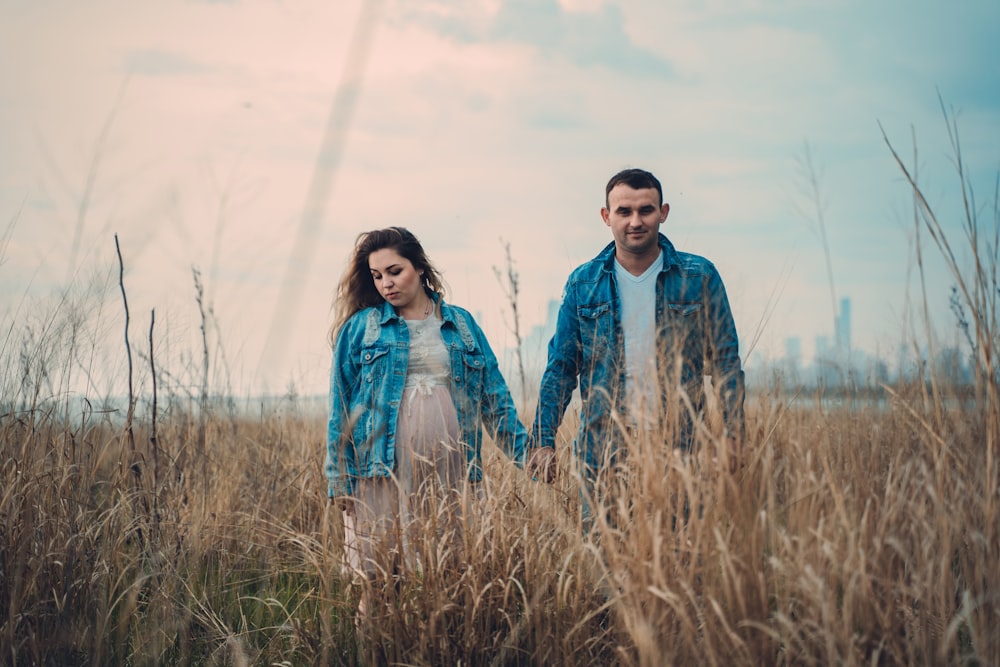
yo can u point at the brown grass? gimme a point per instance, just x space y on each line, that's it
854 535
851 537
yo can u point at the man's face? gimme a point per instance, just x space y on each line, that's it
634 217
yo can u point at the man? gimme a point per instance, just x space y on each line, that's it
639 327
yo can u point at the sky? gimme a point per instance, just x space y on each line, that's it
251 141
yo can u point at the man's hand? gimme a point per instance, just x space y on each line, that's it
542 464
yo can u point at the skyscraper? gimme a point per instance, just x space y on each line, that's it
843 333
793 350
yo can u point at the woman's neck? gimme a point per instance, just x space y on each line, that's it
418 309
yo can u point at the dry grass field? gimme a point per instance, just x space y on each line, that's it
865 536
181 527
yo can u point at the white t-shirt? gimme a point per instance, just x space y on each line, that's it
638 320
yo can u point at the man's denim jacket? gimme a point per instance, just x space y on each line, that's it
367 378
695 334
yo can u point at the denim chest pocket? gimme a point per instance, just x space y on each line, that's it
595 327
594 311
470 373
373 360
683 310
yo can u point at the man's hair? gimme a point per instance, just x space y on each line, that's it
637 179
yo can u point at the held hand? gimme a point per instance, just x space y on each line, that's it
344 504
542 464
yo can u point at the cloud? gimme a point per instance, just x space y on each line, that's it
587 39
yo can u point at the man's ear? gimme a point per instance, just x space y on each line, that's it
664 210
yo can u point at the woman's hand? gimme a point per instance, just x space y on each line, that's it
542 464
344 503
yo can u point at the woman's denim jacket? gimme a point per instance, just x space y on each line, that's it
367 377
695 335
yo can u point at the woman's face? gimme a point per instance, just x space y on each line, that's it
397 280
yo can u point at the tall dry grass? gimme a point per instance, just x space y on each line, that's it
853 535
850 538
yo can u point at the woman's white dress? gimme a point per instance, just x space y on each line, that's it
397 518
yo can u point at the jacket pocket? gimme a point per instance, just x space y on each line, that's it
470 374
595 329
374 361
594 311
683 310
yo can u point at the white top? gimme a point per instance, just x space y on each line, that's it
638 320
429 365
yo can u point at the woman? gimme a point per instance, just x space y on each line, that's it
412 383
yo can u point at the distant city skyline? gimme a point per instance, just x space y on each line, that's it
831 365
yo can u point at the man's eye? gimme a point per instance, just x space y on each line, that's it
646 210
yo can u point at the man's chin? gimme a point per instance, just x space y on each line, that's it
639 246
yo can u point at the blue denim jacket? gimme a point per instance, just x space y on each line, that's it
367 378
695 332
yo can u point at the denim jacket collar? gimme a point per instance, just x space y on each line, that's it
606 257
448 317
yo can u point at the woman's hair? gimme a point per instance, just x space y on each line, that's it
356 290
